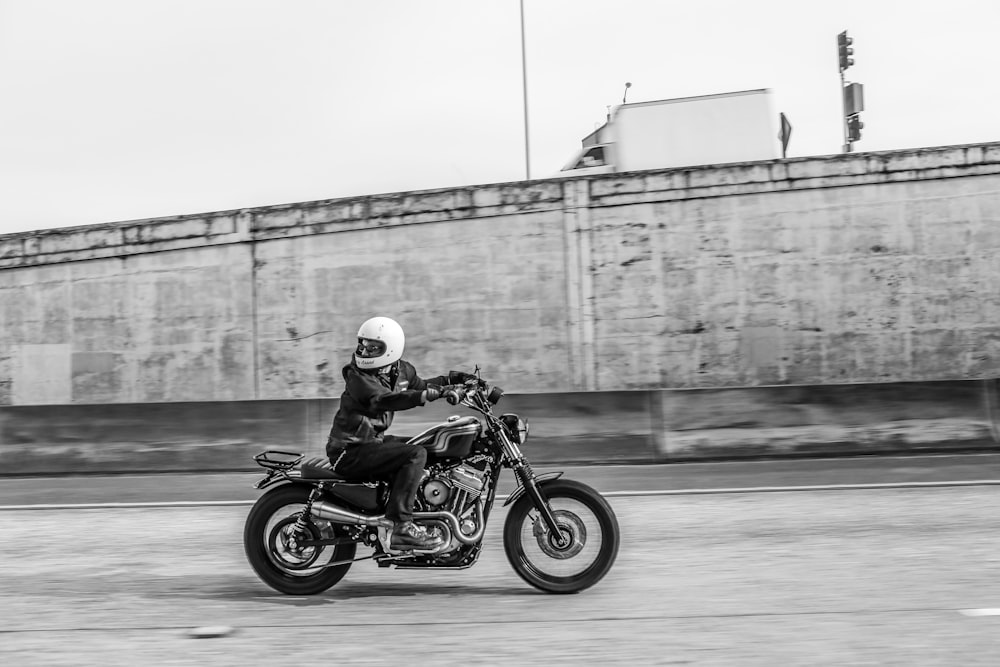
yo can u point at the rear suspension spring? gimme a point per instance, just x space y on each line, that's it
301 523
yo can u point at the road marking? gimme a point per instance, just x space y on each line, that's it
105 506
816 487
501 498
980 612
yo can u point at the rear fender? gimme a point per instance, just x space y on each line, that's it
277 478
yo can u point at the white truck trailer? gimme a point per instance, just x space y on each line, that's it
682 132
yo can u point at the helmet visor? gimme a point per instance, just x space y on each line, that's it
369 349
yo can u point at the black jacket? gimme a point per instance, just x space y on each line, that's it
370 400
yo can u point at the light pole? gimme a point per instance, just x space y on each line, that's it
524 84
844 52
851 95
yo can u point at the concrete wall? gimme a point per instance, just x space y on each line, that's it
874 267
657 426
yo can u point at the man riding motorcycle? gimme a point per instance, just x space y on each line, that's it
379 382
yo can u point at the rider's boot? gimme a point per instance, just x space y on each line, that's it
408 535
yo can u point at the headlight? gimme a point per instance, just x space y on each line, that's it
518 427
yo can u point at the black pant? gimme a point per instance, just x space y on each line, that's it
392 461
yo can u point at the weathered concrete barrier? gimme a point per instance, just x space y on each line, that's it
856 267
829 420
584 427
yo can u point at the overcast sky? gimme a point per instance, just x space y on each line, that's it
117 110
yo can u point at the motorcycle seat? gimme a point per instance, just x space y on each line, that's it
319 468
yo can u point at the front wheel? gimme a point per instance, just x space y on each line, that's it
273 544
582 554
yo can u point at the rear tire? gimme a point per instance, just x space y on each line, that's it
584 517
278 560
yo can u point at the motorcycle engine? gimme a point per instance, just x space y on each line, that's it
440 485
436 491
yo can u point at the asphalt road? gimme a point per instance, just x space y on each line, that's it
681 477
851 576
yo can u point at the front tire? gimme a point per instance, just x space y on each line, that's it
271 548
584 517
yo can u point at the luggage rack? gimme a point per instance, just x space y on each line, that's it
277 460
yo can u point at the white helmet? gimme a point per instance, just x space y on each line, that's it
380 343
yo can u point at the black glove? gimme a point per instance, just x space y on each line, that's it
458 377
432 393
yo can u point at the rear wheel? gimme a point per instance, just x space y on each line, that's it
275 547
580 555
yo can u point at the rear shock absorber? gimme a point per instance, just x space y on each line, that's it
301 529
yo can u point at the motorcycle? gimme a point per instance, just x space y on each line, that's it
560 536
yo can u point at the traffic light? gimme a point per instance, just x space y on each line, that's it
854 126
844 50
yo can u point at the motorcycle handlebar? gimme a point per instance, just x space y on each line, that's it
455 394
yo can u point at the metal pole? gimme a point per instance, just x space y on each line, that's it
843 119
524 84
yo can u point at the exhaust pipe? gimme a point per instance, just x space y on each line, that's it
337 514
331 512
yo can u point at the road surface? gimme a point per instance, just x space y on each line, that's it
900 575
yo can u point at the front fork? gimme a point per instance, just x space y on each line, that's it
530 485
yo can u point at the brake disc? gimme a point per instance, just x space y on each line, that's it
572 529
